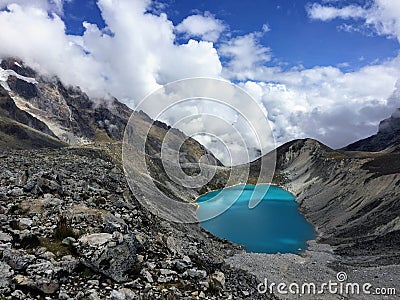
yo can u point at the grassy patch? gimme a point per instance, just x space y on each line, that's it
64 229
384 165
56 247
101 136
87 272
18 209
335 155
99 200
84 196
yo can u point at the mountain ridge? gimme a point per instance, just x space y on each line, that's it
70 115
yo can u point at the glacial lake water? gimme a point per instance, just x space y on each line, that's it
274 225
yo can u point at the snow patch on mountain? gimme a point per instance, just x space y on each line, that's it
4 74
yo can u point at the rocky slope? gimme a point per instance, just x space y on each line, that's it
71 229
19 130
351 198
68 114
70 226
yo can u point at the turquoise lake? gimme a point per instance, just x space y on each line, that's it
274 225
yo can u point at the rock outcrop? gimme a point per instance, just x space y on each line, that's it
113 255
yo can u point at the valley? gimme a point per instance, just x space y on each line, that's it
71 226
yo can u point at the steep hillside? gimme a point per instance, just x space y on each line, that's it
67 111
68 114
15 135
20 130
352 198
8 109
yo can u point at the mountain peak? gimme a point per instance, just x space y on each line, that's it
18 66
387 136
391 125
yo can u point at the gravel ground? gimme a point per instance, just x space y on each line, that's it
317 265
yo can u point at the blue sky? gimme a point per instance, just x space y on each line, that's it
294 39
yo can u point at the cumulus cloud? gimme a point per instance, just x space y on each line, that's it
205 26
246 55
55 6
137 58
138 51
328 104
126 59
382 16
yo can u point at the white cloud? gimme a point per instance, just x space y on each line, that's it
54 6
383 16
327 13
266 28
41 42
139 58
206 27
246 55
328 104
138 51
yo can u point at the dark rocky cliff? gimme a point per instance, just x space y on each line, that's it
388 135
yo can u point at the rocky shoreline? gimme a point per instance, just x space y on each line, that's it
318 265
352 206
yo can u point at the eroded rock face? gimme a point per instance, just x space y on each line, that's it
114 255
218 279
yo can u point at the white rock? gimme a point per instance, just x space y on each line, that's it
116 295
146 274
25 223
218 279
96 239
